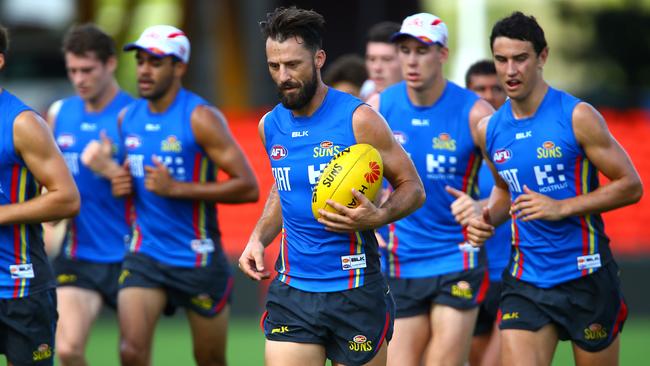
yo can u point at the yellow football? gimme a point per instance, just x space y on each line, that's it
358 166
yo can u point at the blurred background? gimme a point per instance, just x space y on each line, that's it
599 51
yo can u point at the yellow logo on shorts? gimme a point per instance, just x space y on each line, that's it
203 301
595 332
123 275
360 344
510 316
462 289
282 329
43 352
66 278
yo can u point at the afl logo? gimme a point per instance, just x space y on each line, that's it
132 142
400 137
501 156
278 152
326 144
359 338
65 140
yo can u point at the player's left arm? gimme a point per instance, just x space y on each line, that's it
34 143
408 192
605 153
464 206
212 134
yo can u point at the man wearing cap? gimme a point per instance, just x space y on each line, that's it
89 263
438 280
174 142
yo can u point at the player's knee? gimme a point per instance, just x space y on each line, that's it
132 354
69 354
209 358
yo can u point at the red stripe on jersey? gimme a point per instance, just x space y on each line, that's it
286 258
520 262
583 222
620 318
391 229
224 299
499 314
468 172
383 332
196 206
129 210
482 290
139 242
352 251
15 173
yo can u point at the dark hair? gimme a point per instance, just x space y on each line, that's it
350 68
284 23
87 37
4 40
522 27
482 67
382 32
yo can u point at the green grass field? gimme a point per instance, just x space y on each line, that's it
246 343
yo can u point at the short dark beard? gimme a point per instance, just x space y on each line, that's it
305 94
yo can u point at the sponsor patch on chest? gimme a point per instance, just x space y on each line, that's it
353 261
19 271
589 261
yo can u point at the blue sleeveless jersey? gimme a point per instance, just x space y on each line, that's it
312 259
99 232
542 153
175 232
24 268
429 242
497 247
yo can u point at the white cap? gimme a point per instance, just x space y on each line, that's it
426 28
161 41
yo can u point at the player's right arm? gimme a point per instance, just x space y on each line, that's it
251 262
121 180
35 144
481 228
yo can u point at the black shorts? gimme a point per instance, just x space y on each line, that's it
27 328
352 324
590 310
487 312
204 290
99 277
460 290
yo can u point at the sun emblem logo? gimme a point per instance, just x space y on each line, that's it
373 175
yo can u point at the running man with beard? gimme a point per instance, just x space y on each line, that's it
174 142
546 149
29 160
316 309
88 266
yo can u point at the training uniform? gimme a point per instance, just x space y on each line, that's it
329 289
27 296
176 244
560 272
94 245
497 249
428 259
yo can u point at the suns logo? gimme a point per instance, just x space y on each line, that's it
171 144
278 152
326 148
595 332
444 142
373 175
549 150
65 140
360 343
